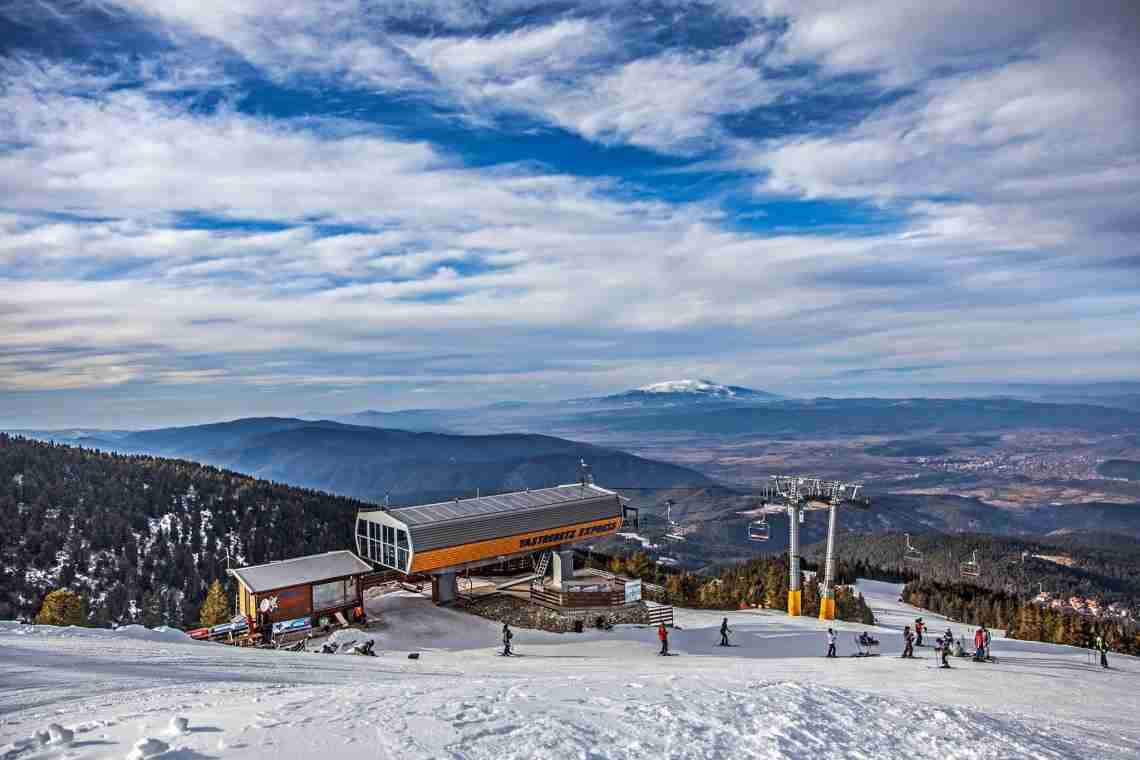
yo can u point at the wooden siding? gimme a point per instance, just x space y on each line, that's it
292 602
521 543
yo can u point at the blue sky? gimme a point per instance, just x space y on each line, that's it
217 208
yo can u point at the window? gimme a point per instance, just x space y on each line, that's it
335 594
362 528
387 545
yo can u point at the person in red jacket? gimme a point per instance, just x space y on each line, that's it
979 645
663 635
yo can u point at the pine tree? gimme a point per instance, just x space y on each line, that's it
216 609
810 606
151 612
866 617
62 607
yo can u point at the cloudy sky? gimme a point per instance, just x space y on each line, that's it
218 208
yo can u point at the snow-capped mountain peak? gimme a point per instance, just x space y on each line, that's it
688 391
707 387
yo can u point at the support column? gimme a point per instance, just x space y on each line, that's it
795 594
444 588
827 590
563 566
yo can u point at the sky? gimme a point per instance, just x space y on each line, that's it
223 208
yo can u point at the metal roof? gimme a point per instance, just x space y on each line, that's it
300 570
518 501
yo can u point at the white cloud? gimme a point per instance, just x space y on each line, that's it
1016 182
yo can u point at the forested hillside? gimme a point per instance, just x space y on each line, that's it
141 538
763 581
1106 567
1021 619
368 463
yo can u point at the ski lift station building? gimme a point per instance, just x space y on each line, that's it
445 538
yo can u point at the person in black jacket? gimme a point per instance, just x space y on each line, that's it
724 631
908 643
507 636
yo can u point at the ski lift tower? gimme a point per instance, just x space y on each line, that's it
797 494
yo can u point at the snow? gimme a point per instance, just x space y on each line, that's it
688 386
592 695
142 633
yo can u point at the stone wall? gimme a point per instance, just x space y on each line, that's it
520 613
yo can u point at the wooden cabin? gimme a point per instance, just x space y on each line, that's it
303 587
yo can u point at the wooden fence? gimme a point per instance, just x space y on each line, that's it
548 597
660 613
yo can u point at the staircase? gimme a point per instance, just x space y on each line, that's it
543 564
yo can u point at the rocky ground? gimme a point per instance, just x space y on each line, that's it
521 613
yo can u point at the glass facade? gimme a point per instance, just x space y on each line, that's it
384 544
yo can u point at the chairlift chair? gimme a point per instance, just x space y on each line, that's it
970 567
758 530
911 554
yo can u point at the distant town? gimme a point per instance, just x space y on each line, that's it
1088 607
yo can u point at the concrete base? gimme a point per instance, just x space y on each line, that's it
795 603
444 588
827 608
563 567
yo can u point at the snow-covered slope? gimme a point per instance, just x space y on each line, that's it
596 694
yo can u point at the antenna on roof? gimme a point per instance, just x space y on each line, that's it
387 497
584 473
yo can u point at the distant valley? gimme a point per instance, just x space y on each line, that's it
996 465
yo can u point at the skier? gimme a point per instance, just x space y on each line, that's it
979 645
918 626
830 643
507 636
663 635
986 638
1102 647
908 643
942 646
959 649
724 631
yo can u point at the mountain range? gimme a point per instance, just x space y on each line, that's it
370 463
707 407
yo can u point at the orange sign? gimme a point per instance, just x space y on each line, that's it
502 547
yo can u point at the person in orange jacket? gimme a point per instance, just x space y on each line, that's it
979 645
663 635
